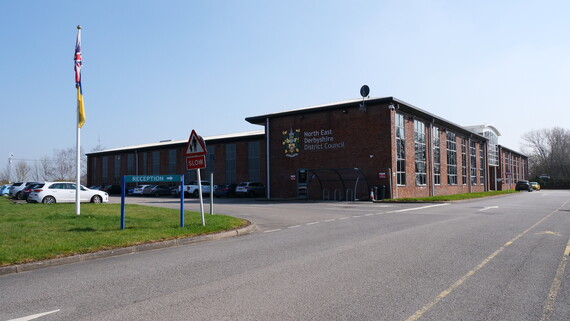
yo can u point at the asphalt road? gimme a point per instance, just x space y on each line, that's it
500 258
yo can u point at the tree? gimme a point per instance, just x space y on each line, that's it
548 151
22 171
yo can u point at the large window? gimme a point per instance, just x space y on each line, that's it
420 151
131 164
230 163
253 161
473 162
481 164
117 168
105 169
436 157
400 150
155 162
451 158
463 161
172 161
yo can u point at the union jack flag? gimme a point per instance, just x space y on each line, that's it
77 59
78 63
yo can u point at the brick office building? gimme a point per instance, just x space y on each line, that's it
234 157
337 151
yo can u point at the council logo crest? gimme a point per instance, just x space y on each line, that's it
291 142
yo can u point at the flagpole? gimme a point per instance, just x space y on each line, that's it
78 126
78 168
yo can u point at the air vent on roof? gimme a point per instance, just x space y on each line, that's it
164 141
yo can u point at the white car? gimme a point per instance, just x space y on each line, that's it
64 192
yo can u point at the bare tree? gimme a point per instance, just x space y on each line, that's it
64 164
5 174
548 151
22 171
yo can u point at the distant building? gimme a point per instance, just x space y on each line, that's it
338 151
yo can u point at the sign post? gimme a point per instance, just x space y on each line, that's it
146 179
196 159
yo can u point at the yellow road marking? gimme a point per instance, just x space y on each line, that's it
548 232
418 314
555 287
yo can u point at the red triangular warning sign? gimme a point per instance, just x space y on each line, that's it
195 145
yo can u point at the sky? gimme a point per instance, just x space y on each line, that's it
155 70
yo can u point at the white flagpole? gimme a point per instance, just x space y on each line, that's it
78 168
78 136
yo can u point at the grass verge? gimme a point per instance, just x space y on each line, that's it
33 232
454 197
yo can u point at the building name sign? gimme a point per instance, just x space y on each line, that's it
312 140
320 139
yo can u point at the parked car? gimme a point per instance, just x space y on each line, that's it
111 189
64 192
523 186
95 187
192 188
138 190
535 186
156 190
4 189
225 190
16 189
250 189
27 190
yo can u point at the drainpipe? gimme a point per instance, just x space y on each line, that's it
469 162
432 168
268 170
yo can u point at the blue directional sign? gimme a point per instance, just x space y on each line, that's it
152 178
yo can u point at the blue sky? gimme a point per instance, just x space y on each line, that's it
155 70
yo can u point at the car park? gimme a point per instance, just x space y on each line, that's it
250 189
523 186
535 186
156 190
64 192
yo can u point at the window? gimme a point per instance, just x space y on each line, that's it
493 147
253 161
230 163
451 158
481 164
172 161
473 162
130 164
436 157
105 169
155 162
117 168
420 151
400 150
463 161
144 163
210 160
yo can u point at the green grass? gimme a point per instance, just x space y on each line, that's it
454 197
33 232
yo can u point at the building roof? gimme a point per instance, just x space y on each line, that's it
397 103
164 143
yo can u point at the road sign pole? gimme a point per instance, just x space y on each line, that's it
123 203
200 195
211 193
182 201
